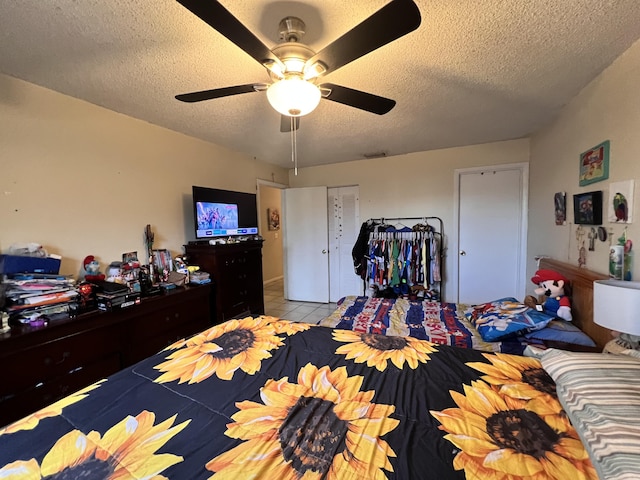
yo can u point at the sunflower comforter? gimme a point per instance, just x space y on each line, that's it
271 399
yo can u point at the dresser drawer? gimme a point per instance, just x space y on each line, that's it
170 318
14 407
27 368
138 351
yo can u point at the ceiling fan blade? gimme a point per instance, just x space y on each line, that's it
391 22
356 98
218 93
224 22
285 123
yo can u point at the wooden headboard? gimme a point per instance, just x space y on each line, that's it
581 293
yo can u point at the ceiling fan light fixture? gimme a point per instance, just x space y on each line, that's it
293 96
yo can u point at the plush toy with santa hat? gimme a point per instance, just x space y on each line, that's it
92 269
551 284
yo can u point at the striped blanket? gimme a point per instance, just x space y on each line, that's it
601 396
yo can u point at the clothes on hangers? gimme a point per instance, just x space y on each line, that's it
399 257
359 250
401 260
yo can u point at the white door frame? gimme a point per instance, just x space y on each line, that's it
266 183
261 218
523 167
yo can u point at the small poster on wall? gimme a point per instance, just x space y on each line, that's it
273 216
594 164
621 202
560 202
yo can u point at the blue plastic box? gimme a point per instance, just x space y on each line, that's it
10 264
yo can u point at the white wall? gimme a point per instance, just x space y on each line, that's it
80 179
414 185
607 109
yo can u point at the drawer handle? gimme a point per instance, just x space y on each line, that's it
49 361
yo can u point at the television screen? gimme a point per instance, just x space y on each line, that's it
224 213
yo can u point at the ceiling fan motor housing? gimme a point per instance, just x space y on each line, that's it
291 29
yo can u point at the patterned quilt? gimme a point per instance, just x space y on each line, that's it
441 323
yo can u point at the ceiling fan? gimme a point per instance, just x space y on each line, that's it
294 68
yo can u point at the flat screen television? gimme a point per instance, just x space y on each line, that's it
224 213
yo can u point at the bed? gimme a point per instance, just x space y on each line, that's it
269 398
461 325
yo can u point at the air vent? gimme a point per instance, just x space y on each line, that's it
375 155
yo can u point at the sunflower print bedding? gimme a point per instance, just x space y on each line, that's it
264 398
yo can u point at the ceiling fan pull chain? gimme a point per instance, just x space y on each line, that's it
294 147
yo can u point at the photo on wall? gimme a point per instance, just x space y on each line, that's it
273 217
621 202
594 164
587 208
560 202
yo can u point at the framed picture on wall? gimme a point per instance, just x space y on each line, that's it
273 217
560 203
621 202
594 164
587 208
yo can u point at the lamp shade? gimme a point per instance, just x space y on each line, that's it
616 305
293 96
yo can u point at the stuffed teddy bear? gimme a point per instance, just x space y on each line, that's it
551 284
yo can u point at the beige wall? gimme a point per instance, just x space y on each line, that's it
84 180
414 185
272 264
80 179
607 109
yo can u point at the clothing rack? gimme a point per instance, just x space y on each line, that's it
407 232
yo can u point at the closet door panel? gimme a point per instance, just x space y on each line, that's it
489 235
344 226
305 230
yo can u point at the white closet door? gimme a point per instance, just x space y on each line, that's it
305 244
492 236
344 225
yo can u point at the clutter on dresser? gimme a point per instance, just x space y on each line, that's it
33 291
38 298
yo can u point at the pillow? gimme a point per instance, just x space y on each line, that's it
504 318
561 331
601 395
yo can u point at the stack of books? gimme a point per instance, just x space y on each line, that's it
31 297
115 296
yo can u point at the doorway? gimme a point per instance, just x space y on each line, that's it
490 241
270 203
321 226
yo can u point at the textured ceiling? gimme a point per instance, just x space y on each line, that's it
475 71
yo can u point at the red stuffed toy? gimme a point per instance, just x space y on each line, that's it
551 284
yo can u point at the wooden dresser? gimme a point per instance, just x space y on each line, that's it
40 366
236 276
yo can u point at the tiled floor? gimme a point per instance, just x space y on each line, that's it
277 306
